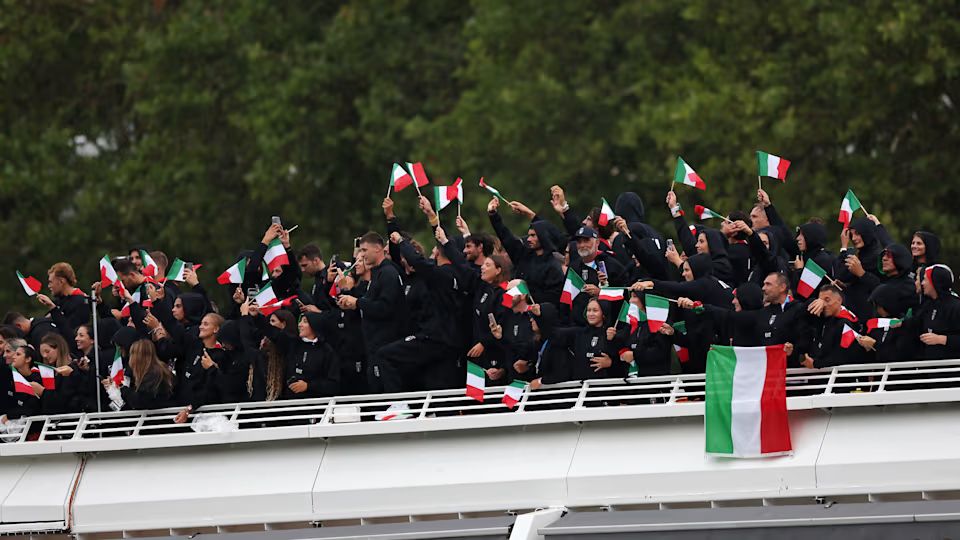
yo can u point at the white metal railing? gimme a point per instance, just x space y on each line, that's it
600 399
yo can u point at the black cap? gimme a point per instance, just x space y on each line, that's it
586 232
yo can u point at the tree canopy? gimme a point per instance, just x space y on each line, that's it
186 125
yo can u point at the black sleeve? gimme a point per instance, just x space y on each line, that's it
391 295
766 260
687 241
788 239
571 221
687 289
652 261
511 244
278 337
326 382
460 265
253 273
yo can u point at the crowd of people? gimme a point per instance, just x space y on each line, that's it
400 316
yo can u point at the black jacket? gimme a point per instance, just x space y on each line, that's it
314 362
587 343
379 308
437 320
543 273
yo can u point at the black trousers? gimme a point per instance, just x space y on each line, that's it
413 363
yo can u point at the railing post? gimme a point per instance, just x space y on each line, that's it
585 385
830 381
883 379
425 406
81 424
674 390
523 399
325 419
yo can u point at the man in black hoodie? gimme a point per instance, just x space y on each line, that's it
381 307
809 244
596 269
936 326
859 269
533 260
824 324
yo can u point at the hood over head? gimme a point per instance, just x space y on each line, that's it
942 278
932 243
896 300
629 206
750 296
815 234
867 230
194 307
549 234
701 265
902 258
125 337
229 334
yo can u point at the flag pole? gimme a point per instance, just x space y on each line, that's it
459 204
759 182
96 349
418 187
389 188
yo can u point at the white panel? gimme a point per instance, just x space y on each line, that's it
650 461
445 472
892 449
42 491
10 472
221 485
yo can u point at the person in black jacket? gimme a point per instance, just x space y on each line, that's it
824 326
925 248
809 244
152 381
706 240
533 260
935 328
596 269
381 307
69 394
22 402
592 353
312 366
73 303
649 352
890 343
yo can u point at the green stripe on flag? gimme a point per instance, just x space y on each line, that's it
718 414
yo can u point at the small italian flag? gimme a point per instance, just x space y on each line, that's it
848 336
606 213
419 175
276 255
513 393
21 384
268 302
444 195
30 284
116 369
632 369
705 213
234 274
772 166
687 176
746 402
845 313
683 353
400 179
810 278
611 294
492 190
476 381
511 295
630 314
48 375
176 270
571 287
658 309
150 268
848 206
108 276
873 324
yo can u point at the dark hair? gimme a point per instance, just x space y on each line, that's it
815 219
483 240
740 215
417 246
289 321
8 332
310 251
503 264
372 238
781 279
830 287
12 317
160 258
125 266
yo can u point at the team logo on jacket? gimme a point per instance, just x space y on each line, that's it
585 273
773 319
483 298
516 330
406 290
594 341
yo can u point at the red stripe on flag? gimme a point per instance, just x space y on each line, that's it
804 290
475 393
774 425
782 169
419 175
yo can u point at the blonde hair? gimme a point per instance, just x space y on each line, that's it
59 344
65 271
145 362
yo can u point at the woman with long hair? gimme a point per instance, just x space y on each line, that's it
70 381
152 386
265 380
24 396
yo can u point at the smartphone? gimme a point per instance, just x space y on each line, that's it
492 319
335 260
275 220
188 265
356 242
669 243
252 292
601 267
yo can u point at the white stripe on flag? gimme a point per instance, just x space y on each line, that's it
749 376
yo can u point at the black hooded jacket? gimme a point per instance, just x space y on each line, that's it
234 367
444 299
313 362
380 305
940 315
704 287
543 273
893 344
553 361
931 243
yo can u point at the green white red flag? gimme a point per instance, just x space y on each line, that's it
772 166
276 255
883 323
687 176
611 294
630 314
108 276
658 310
476 381
606 213
21 384
810 278
400 179
117 374
492 190
48 375
176 270
683 353
511 295
845 313
419 175
444 195
705 213
848 336
268 302
746 402
150 267
513 393
571 287
30 284
848 206
234 274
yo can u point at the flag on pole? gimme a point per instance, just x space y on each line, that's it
705 213
176 270
150 267
400 179
476 381
276 255
117 374
746 402
48 375
848 206
444 195
606 213
687 176
234 274
883 323
611 294
630 314
571 287
772 166
514 293
108 276
31 285
845 313
492 190
683 353
848 336
268 302
419 176
658 309
21 384
810 278
513 393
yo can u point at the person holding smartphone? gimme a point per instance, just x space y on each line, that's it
596 269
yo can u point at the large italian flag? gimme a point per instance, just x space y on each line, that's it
810 278
746 402
276 255
848 206
444 195
687 176
571 287
476 381
772 166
